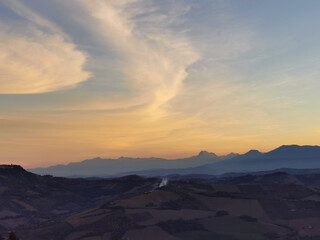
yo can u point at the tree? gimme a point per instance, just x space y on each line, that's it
12 236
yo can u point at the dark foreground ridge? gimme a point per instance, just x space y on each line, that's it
12 169
276 205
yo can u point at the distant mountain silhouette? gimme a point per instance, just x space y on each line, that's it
104 167
286 156
253 153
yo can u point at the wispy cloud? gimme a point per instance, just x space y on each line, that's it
36 56
180 75
154 58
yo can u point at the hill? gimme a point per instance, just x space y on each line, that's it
270 206
28 200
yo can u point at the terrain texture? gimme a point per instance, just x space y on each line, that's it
267 206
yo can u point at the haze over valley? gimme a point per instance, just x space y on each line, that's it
159 120
290 156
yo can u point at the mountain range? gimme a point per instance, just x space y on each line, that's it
286 156
109 167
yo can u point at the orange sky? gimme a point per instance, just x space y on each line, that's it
81 79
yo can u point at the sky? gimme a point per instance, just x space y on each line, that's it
81 79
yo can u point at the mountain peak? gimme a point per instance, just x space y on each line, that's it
294 146
295 150
232 154
207 154
253 153
285 147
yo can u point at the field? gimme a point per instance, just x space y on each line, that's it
277 206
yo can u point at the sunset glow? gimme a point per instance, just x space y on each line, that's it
81 79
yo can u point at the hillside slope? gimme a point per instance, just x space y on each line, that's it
29 200
255 207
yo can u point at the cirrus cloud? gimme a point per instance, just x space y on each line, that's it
36 56
155 57
45 64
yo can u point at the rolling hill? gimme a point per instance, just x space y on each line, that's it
251 207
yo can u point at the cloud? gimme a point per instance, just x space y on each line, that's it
28 14
154 57
36 57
